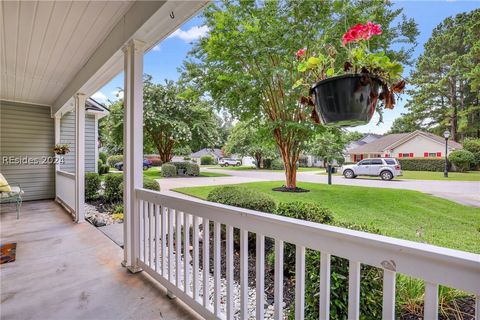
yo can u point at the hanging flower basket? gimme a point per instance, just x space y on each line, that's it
346 92
61 149
347 100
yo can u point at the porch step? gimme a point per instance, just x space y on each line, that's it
114 232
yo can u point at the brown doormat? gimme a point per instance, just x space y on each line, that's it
8 252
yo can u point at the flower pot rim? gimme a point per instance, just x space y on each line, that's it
345 76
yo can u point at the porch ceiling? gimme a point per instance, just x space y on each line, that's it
46 43
49 50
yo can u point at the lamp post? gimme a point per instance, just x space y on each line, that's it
446 135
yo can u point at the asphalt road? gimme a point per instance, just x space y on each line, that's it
464 192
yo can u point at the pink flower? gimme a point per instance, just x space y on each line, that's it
361 32
301 52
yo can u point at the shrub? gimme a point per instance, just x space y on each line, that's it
267 163
277 164
462 159
103 156
423 164
169 170
99 166
92 185
180 166
207 160
243 198
473 145
105 168
113 187
370 287
151 184
187 158
118 208
193 169
309 211
114 159
156 161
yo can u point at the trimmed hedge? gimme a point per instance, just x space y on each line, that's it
309 211
193 169
113 191
473 145
277 164
114 159
243 198
422 164
92 185
103 156
169 170
151 184
207 160
156 161
462 159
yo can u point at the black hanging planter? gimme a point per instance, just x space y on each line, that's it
346 101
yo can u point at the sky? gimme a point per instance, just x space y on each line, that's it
163 61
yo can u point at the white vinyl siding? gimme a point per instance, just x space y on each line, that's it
27 131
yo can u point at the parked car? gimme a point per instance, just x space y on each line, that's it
225 162
147 164
385 168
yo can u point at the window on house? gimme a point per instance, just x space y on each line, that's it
432 154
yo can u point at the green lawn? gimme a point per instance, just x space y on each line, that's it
249 168
154 173
398 213
429 175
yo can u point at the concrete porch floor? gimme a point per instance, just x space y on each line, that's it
72 271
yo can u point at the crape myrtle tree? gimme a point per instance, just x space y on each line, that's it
446 79
175 118
248 139
246 63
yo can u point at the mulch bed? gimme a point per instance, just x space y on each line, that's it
286 189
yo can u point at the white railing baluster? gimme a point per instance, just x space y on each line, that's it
151 236
170 244
260 276
196 245
186 253
243 274
217 246
164 241
146 231
431 301
354 290
278 281
178 249
229 279
142 230
206 263
324 286
157 235
388 311
299 283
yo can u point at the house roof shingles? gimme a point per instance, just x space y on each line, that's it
382 143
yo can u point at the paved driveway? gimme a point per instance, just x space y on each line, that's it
464 192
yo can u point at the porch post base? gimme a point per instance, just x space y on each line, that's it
170 295
134 269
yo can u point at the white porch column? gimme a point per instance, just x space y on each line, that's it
79 99
57 137
132 149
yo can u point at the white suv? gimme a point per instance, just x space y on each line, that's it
386 168
225 162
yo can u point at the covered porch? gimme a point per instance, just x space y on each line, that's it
69 270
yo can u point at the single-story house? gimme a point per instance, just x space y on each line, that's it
417 144
217 154
29 131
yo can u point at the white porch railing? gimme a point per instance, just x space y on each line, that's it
162 217
65 189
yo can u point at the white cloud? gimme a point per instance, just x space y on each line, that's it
118 94
191 34
100 97
156 48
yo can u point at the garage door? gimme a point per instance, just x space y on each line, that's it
26 140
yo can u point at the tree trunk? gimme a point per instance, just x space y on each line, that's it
291 174
258 159
453 118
